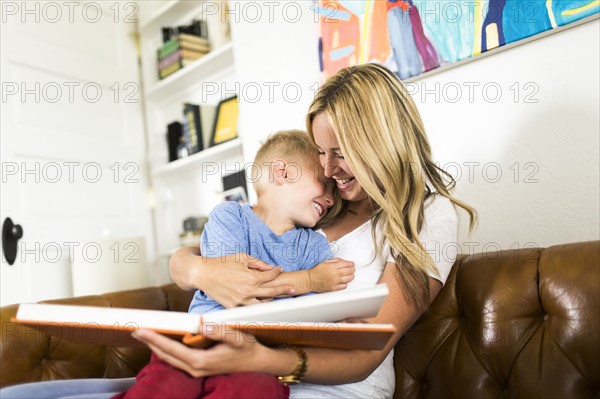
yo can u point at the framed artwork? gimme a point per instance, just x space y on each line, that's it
236 194
225 127
234 187
412 37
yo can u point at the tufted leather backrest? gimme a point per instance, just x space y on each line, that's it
29 355
509 324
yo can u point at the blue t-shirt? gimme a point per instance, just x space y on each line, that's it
233 228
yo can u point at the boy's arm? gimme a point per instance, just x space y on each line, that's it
330 275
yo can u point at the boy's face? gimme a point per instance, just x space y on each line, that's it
308 193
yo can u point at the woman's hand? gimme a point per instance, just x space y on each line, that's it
232 280
238 352
239 280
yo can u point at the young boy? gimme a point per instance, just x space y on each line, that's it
293 195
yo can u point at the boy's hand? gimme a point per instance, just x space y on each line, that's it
331 275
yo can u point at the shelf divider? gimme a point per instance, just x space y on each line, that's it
195 160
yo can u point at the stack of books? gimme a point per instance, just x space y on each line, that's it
179 51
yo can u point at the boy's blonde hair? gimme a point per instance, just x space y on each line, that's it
293 146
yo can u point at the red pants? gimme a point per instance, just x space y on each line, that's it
161 380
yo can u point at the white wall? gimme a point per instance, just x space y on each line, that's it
541 133
279 58
545 145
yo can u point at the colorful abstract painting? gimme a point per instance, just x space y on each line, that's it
413 37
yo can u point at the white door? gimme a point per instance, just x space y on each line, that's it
72 141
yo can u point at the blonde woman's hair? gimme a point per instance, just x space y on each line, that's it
291 146
383 140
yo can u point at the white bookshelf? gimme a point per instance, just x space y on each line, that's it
180 189
167 12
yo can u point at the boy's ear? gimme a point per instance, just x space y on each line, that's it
279 171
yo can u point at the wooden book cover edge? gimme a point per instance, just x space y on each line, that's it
324 335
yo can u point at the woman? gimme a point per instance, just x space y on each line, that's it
396 205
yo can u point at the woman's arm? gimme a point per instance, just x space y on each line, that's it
231 280
328 366
240 352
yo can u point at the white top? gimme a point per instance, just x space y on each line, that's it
439 236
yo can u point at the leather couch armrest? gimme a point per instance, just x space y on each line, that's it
28 355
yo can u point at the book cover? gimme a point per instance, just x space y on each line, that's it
198 28
192 128
186 37
207 117
191 54
201 48
175 44
181 57
305 320
170 69
168 48
168 60
174 133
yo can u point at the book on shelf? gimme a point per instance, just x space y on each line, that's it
170 69
304 321
197 47
207 118
173 67
175 57
192 128
176 44
174 136
198 28
187 38
179 55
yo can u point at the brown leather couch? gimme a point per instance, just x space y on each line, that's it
507 324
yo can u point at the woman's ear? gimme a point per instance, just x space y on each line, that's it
278 171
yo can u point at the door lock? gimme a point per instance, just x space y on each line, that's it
11 234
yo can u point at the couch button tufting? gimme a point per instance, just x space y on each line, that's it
546 317
44 362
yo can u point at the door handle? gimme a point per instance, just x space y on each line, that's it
11 234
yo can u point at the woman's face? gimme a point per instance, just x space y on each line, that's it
332 159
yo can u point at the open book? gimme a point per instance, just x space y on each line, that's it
303 321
